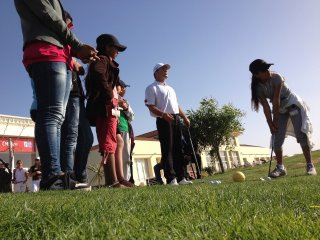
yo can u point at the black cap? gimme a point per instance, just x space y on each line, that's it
108 39
122 84
259 65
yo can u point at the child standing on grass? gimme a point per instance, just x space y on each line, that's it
289 115
126 117
102 105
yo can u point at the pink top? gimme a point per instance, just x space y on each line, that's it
40 51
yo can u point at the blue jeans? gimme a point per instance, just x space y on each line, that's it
52 82
69 134
84 144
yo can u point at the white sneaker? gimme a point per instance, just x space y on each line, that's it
311 170
174 182
81 186
184 182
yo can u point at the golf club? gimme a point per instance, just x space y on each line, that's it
268 178
194 154
271 145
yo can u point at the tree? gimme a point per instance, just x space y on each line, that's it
213 126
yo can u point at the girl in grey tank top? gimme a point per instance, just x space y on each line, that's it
286 106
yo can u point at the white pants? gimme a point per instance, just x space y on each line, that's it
20 187
35 185
126 155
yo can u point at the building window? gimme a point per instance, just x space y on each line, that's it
223 159
209 160
235 161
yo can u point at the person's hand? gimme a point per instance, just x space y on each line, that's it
168 117
38 172
78 68
87 53
123 104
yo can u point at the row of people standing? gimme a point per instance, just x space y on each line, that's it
48 49
62 130
103 112
20 176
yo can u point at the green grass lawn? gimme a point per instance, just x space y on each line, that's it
285 208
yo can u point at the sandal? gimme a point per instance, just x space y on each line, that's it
126 183
117 185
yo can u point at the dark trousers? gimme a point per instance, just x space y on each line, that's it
156 169
84 144
170 137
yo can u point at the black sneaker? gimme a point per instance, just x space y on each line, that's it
54 182
278 172
82 180
73 184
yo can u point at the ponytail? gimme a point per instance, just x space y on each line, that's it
254 97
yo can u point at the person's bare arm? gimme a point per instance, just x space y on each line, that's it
184 117
268 114
276 104
166 116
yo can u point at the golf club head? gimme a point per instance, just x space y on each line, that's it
215 182
265 178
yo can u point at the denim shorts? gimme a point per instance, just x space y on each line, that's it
294 113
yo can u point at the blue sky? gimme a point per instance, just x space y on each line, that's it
208 43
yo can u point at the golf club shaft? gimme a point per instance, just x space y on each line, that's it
194 154
272 143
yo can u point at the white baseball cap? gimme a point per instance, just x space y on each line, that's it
160 65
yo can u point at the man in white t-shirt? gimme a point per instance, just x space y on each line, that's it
162 102
20 177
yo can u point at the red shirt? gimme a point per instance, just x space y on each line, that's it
40 51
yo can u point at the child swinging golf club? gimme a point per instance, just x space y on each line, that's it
286 106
